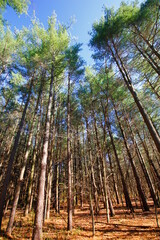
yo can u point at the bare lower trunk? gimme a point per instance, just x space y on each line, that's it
92 169
105 183
37 231
144 168
69 227
49 196
57 188
30 185
18 187
137 179
114 181
12 155
125 189
88 176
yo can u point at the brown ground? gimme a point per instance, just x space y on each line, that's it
122 226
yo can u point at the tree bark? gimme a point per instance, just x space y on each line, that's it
105 183
125 189
69 160
114 181
143 166
130 87
20 180
37 231
138 183
13 152
92 169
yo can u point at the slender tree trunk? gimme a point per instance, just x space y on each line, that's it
152 87
74 175
112 213
100 178
36 155
6 207
30 185
139 188
104 170
49 183
92 212
58 166
92 170
18 189
69 227
49 187
37 231
90 195
149 158
12 154
20 180
57 188
151 46
125 189
51 155
130 87
81 167
149 59
143 166
114 181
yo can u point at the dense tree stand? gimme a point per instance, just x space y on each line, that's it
80 145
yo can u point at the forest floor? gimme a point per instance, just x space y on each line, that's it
123 225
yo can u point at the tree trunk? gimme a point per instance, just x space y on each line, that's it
30 185
143 166
12 154
105 183
152 87
114 181
69 227
57 188
92 170
151 46
90 195
20 180
139 188
149 158
130 87
125 189
37 231
149 59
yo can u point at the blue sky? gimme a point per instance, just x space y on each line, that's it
84 11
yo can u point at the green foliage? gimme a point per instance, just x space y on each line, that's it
7 48
17 79
20 6
74 62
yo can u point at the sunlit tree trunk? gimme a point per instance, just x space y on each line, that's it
114 181
37 231
125 189
88 177
130 87
104 171
92 169
22 171
69 160
13 152
143 165
139 188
